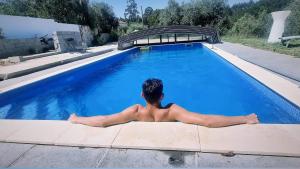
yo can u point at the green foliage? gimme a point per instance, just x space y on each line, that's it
102 18
131 11
153 19
67 11
293 21
171 15
254 8
260 21
134 27
114 36
99 16
197 12
189 14
122 30
261 43
148 12
249 25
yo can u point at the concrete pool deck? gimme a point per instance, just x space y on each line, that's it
262 139
280 63
13 83
34 65
45 156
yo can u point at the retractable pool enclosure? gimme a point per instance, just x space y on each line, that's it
175 32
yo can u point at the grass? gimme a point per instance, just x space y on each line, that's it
293 49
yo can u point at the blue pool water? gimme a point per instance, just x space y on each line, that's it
194 77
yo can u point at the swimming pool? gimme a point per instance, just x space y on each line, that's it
194 77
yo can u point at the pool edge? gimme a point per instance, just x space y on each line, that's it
56 72
258 139
277 84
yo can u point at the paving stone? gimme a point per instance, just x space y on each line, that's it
26 79
39 131
9 127
58 156
81 135
61 156
161 136
280 63
10 152
43 63
211 160
130 158
263 139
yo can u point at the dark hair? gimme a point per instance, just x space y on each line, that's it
152 90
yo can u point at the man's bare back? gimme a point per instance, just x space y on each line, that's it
154 112
168 114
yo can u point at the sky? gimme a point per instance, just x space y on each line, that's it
120 5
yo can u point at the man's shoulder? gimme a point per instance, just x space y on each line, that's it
172 107
175 109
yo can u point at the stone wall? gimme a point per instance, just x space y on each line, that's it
87 35
65 41
21 47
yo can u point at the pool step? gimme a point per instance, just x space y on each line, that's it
145 48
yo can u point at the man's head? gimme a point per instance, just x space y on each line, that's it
153 90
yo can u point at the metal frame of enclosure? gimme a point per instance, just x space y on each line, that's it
127 41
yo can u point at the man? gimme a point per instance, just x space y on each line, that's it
154 112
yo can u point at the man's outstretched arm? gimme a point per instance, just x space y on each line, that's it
125 116
180 114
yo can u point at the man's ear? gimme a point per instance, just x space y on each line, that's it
142 95
162 96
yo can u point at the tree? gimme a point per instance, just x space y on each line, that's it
153 19
249 25
147 14
254 8
131 12
190 14
102 18
260 20
293 21
171 15
67 11
16 7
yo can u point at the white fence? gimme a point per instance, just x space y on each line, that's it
20 27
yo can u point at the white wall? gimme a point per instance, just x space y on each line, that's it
277 29
19 27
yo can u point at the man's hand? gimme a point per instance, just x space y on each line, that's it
251 119
73 118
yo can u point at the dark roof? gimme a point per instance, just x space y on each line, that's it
174 29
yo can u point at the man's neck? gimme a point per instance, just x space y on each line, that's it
151 106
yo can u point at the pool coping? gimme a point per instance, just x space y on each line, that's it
262 139
258 139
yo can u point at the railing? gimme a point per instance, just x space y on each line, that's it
127 41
